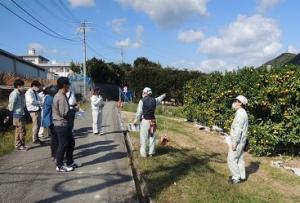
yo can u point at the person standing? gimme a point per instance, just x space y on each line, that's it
238 138
97 105
61 121
73 107
42 95
146 114
33 105
47 119
16 107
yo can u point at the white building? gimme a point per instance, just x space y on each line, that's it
59 69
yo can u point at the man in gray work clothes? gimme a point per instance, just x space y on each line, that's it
238 139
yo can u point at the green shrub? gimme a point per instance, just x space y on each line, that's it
274 105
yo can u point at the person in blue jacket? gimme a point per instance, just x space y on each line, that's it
47 121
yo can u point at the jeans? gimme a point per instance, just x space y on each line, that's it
66 144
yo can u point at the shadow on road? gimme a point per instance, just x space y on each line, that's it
109 181
106 157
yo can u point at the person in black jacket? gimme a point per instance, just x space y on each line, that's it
146 115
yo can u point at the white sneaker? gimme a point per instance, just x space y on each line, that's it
74 165
64 169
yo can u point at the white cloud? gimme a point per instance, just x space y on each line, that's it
40 49
212 65
124 43
248 41
168 13
116 24
293 50
137 43
82 3
184 64
189 36
264 5
139 34
37 46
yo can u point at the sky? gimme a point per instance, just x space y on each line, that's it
204 35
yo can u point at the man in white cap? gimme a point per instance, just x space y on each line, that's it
238 135
145 114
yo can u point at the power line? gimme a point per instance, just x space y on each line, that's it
37 20
47 33
37 14
62 3
96 52
50 12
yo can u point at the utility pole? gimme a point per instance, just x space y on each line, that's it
83 29
122 54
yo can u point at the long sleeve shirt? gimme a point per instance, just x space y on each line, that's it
16 104
32 99
139 111
239 127
47 112
97 102
60 109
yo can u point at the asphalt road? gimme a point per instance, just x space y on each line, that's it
105 175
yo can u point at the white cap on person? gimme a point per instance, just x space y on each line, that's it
147 90
242 99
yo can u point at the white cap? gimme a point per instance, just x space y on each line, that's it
242 99
147 90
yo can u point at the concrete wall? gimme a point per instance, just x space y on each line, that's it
12 65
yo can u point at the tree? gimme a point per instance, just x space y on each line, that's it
76 68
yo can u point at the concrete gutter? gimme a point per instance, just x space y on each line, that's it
140 183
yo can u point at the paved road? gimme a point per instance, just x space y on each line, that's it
105 175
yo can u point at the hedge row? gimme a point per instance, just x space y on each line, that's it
274 105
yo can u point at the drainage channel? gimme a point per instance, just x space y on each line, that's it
140 184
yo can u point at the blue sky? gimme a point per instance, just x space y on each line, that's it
204 35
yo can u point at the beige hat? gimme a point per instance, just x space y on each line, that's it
242 99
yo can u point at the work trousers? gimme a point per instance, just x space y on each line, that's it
146 141
20 131
97 120
236 163
36 124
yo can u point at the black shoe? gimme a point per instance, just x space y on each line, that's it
234 182
38 141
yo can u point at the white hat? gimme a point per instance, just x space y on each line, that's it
147 90
242 99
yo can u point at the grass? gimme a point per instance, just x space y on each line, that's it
84 105
171 111
7 139
193 168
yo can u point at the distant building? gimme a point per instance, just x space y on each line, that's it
11 63
59 69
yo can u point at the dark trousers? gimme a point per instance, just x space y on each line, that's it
72 114
53 140
66 145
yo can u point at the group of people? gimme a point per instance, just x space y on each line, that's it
238 135
53 108
58 106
